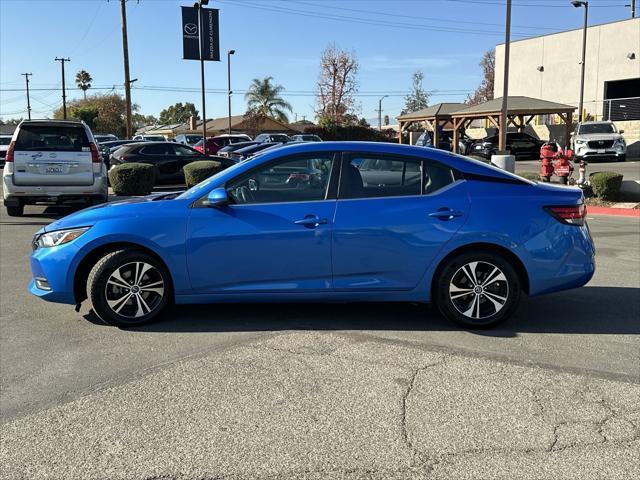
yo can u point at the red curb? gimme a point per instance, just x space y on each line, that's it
621 212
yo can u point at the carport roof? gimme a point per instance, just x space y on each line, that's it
440 109
517 105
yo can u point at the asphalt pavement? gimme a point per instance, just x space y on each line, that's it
324 391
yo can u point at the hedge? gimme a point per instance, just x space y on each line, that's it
606 185
530 176
351 133
196 172
132 178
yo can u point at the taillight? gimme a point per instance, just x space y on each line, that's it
95 156
569 214
9 157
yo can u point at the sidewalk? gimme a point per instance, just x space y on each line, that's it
335 405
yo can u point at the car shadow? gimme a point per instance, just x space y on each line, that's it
588 310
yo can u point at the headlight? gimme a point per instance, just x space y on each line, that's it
619 142
59 237
581 142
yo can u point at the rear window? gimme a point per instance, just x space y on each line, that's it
5 140
67 138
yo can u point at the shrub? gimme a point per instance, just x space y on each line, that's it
530 176
352 133
606 185
132 179
196 172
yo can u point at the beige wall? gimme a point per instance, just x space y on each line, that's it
560 54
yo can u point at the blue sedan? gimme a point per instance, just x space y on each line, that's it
318 222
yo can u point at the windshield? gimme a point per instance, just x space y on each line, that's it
64 138
590 128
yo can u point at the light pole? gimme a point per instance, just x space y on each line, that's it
199 6
380 112
229 92
578 4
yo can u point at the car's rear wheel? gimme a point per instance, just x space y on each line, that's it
478 290
15 210
128 287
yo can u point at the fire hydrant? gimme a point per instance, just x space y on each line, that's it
563 167
548 154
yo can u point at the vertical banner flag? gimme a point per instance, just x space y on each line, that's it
210 34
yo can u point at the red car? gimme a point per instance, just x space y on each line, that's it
216 143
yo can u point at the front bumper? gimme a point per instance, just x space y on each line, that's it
584 152
54 266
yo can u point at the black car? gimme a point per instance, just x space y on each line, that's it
522 145
107 148
229 149
168 157
251 150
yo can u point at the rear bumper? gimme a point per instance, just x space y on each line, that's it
29 194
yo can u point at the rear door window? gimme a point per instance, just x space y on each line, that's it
160 149
62 138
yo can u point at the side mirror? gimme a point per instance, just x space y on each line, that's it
217 197
620 132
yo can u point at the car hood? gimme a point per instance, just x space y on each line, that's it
599 136
119 209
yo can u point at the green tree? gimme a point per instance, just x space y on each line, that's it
178 113
418 98
139 120
111 112
87 113
264 98
83 81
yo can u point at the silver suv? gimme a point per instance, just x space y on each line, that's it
598 141
52 161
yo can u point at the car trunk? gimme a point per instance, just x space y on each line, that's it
52 155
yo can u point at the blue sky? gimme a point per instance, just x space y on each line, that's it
282 38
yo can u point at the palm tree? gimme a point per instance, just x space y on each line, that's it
83 81
263 97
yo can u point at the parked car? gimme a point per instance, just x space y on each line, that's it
190 139
598 141
149 138
305 137
107 148
216 143
469 237
520 144
426 140
52 161
5 140
272 138
168 157
102 137
232 147
243 153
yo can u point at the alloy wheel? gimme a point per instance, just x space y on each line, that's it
134 289
479 290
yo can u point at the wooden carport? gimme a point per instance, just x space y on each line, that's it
520 112
438 115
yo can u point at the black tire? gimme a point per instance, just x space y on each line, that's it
115 302
452 277
15 210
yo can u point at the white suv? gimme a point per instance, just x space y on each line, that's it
52 161
598 141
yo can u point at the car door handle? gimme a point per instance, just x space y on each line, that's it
446 214
311 221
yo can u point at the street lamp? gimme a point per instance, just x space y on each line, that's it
229 92
380 112
578 4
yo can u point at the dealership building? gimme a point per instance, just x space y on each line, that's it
548 67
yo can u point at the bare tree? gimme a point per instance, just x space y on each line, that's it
418 98
485 91
337 84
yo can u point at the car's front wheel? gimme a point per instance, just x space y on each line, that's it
478 290
128 287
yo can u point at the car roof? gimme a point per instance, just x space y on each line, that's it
591 122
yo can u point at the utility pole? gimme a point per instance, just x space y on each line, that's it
380 112
64 91
578 4
633 8
26 77
229 92
502 143
127 81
